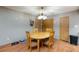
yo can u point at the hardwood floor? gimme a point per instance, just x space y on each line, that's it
59 46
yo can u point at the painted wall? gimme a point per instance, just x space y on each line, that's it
73 20
13 25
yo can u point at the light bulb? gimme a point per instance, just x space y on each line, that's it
42 17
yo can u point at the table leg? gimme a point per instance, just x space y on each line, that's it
30 45
38 45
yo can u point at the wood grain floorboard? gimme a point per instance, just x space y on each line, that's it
59 46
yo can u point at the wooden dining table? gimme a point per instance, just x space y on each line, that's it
39 36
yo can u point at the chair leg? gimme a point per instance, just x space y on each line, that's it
41 44
48 47
30 45
27 47
38 45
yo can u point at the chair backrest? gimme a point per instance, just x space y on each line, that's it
49 30
35 30
51 36
51 33
27 35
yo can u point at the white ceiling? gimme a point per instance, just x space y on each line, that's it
48 10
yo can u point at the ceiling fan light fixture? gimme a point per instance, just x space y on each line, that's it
42 17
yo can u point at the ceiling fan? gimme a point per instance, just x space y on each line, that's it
42 16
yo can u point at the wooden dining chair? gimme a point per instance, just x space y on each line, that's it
30 42
50 40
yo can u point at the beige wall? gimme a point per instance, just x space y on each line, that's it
13 25
73 20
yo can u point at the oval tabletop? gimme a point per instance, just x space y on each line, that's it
39 35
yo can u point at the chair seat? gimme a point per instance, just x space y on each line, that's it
47 42
33 44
